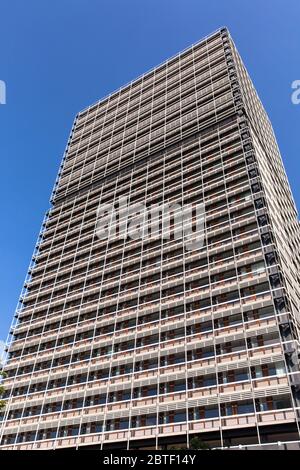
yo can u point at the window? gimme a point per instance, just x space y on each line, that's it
245 408
282 403
124 424
179 386
240 375
211 412
150 420
209 381
179 416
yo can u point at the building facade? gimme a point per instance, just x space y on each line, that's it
141 342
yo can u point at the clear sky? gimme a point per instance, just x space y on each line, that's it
59 56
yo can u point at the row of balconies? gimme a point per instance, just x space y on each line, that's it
191 96
115 402
206 384
131 153
219 196
179 109
159 139
87 276
36 322
81 268
193 91
126 287
136 243
92 154
134 331
231 332
216 288
95 202
264 418
40 294
60 230
93 213
170 155
64 305
208 396
211 257
139 181
210 338
133 196
211 229
218 266
261 355
207 425
270 324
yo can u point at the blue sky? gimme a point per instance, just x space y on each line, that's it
59 56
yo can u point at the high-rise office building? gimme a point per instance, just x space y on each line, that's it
142 341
